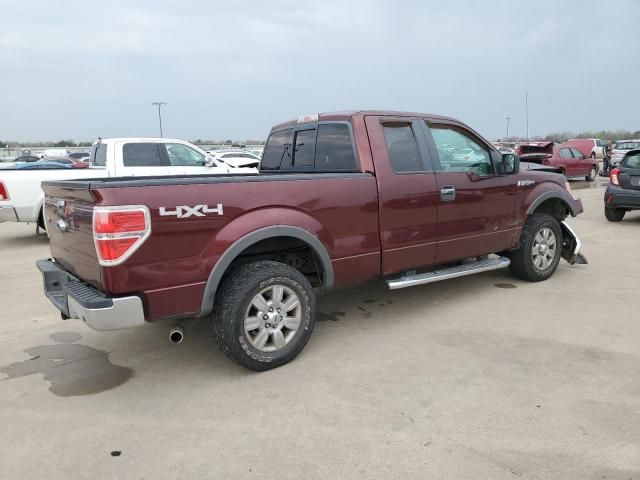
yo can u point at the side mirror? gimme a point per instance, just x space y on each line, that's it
510 163
210 162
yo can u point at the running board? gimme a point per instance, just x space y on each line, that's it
479 266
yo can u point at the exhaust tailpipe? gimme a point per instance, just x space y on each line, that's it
176 335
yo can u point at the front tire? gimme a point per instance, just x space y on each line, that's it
592 174
614 214
264 314
593 155
538 255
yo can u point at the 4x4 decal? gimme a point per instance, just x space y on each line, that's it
185 211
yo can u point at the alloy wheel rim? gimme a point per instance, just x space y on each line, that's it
272 318
544 249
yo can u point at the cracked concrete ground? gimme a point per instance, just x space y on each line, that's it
484 377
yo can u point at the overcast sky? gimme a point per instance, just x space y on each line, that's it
83 69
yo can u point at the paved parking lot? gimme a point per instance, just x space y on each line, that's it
479 377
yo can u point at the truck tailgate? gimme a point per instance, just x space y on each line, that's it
68 213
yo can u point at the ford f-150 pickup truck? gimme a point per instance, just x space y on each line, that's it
341 199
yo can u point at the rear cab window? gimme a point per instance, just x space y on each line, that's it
322 147
98 156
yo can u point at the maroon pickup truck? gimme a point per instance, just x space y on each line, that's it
341 199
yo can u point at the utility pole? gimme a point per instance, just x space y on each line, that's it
526 107
508 119
159 105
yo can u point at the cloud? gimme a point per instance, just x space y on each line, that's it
231 69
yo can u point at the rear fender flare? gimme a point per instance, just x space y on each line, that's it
231 253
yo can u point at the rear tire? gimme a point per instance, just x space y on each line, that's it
592 174
614 214
251 320
538 255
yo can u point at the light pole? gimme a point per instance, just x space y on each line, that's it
508 119
159 105
526 106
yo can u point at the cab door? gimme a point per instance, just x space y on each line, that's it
476 203
407 193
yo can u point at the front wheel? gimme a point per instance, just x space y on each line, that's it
614 214
593 155
538 255
593 173
264 314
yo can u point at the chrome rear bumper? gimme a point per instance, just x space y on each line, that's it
76 299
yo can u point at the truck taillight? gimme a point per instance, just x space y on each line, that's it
119 231
4 195
613 176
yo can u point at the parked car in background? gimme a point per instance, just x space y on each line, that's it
623 192
56 152
40 165
590 147
70 162
620 149
238 158
568 160
111 157
27 158
82 156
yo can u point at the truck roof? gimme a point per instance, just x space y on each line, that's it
139 139
348 114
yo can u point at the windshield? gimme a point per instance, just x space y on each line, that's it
626 145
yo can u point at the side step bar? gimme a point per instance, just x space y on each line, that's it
479 266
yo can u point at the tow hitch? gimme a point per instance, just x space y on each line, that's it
571 246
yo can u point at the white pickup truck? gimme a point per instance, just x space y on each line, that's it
21 196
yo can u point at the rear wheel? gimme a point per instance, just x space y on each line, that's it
593 173
614 214
538 255
264 315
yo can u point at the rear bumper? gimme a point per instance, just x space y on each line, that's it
8 214
617 197
76 299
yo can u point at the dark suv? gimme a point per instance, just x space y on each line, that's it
623 192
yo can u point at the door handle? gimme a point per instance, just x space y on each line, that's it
448 193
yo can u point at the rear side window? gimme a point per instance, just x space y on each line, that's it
304 146
277 152
334 149
565 153
402 148
141 155
99 155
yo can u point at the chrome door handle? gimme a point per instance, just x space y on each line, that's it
448 193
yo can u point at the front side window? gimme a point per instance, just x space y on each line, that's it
304 147
141 155
402 148
334 149
277 152
577 153
458 152
181 155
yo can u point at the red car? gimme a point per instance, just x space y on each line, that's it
341 199
568 159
